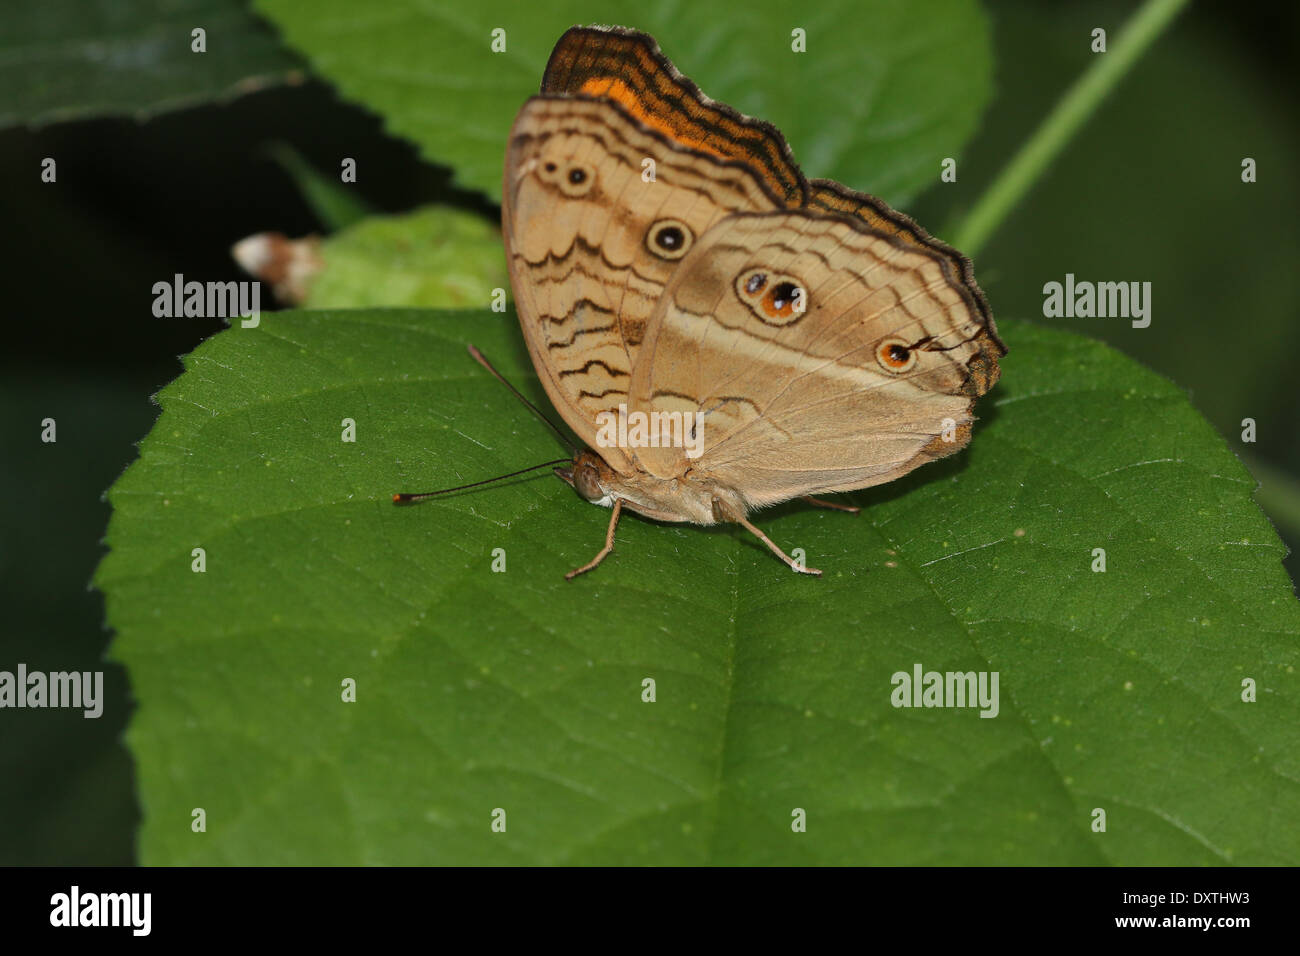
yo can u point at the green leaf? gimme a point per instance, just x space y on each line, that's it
885 91
68 59
437 256
478 690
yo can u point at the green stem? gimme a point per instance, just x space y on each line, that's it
1070 113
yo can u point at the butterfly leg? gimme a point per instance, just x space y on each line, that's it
609 543
833 505
775 550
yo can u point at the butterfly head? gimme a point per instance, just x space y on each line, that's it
590 477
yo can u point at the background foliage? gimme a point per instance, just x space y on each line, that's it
881 92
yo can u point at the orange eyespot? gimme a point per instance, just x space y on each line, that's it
751 283
774 298
895 356
783 300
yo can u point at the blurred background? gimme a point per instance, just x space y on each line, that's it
1149 191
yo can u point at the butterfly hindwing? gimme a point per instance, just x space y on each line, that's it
819 354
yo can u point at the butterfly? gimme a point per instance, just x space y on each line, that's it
722 333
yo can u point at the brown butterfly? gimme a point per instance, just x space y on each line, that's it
722 333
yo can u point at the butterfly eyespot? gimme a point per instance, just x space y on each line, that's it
578 179
549 172
669 238
784 299
895 356
751 283
774 299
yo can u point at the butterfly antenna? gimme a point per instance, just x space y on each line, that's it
478 357
407 497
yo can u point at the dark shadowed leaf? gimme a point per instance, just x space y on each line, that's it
70 59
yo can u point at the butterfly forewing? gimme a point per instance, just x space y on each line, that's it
592 240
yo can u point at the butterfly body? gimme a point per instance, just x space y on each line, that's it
755 337
684 498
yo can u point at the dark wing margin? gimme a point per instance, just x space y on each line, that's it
830 196
628 67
